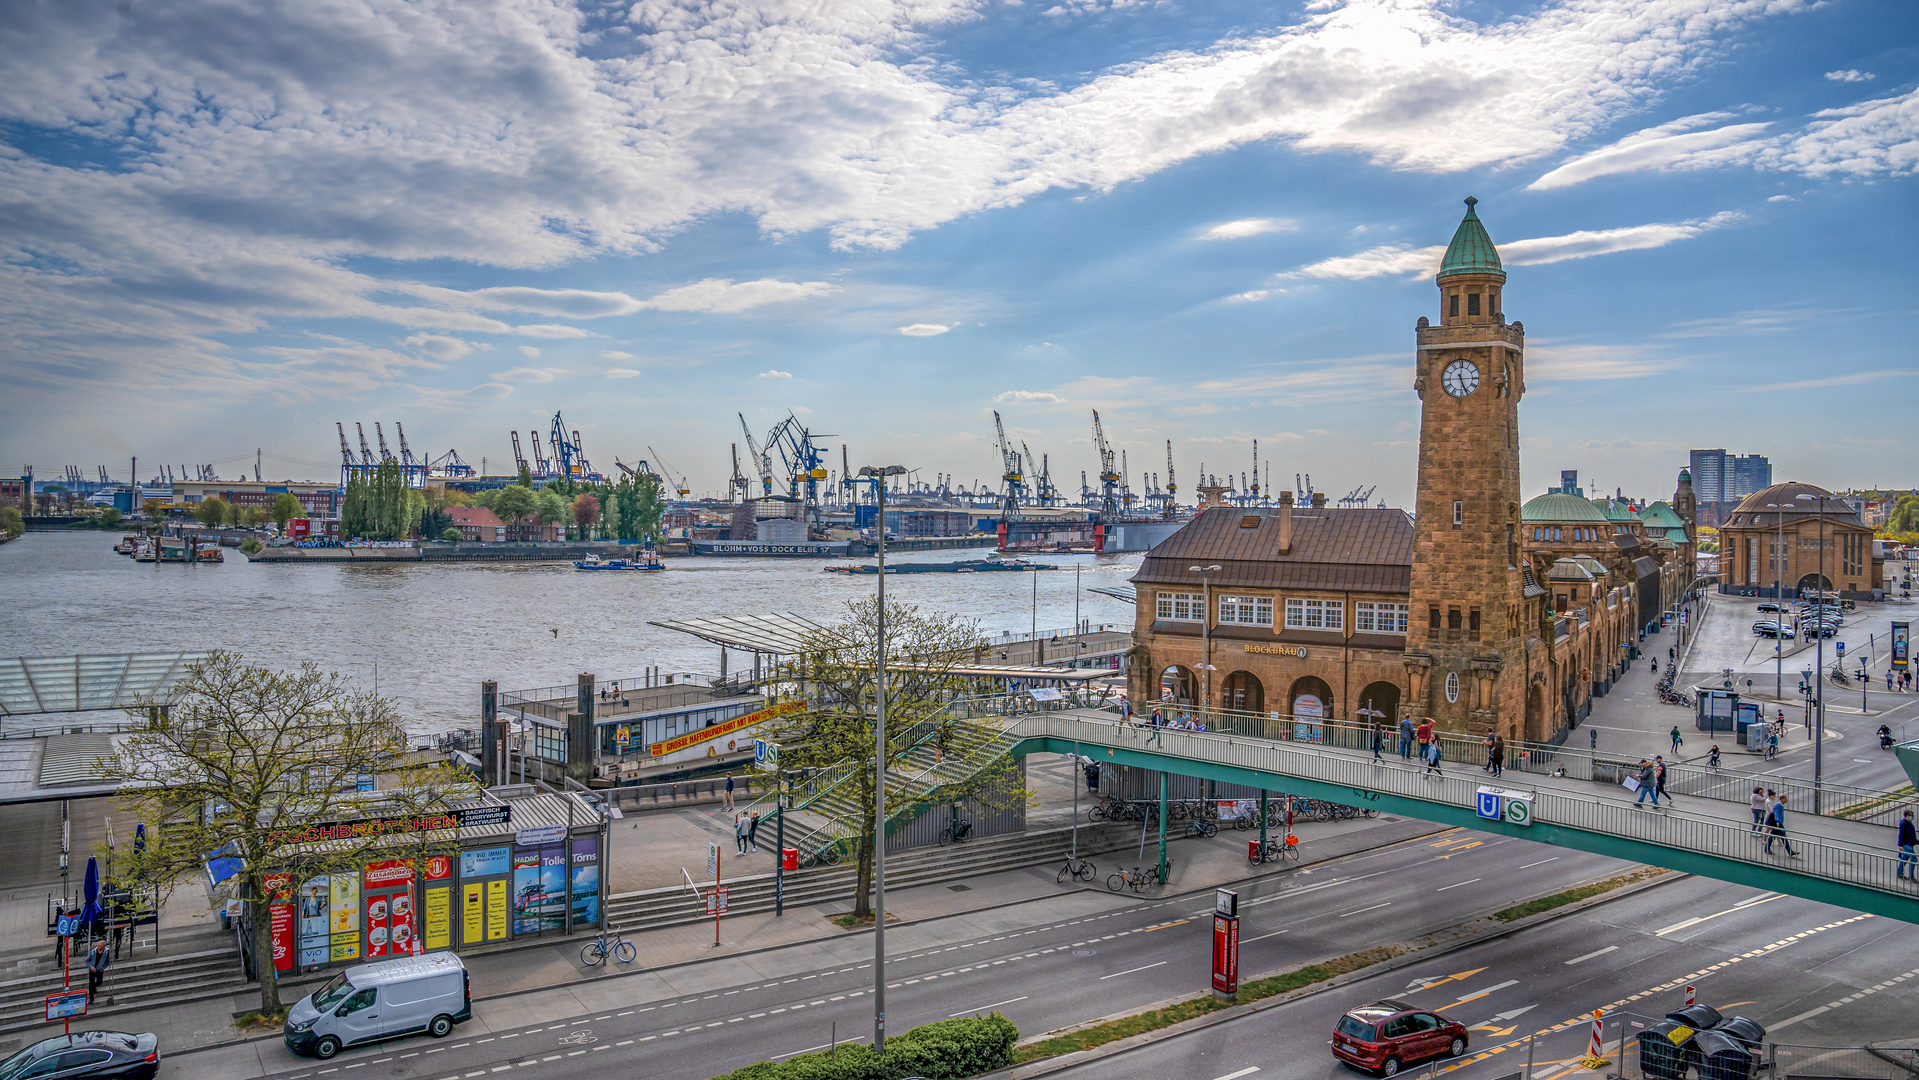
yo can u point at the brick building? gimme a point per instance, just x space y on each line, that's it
1772 541
1474 611
477 524
322 500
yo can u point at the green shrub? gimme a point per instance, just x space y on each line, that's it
451 534
251 546
947 1050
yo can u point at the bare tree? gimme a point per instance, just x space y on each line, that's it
253 762
837 671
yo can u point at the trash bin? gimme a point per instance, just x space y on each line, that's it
1698 1017
1252 851
789 858
1719 1056
1663 1050
1747 1031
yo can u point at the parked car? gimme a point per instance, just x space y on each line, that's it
1388 1035
1769 609
1817 630
383 1000
88 1055
1771 628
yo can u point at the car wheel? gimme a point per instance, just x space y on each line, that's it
1389 1067
1458 1047
442 1026
326 1047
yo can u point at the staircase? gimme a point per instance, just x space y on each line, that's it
130 984
651 909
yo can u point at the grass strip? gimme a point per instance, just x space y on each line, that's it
1869 806
1094 1035
1099 1034
1570 896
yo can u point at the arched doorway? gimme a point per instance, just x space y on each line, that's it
1242 691
1814 583
1311 698
1178 684
1535 713
1379 702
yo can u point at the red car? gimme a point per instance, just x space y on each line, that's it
1386 1035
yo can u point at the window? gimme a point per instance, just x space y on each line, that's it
1452 618
1452 686
1472 303
361 1000
1179 607
1306 614
1379 618
1432 616
1246 610
1459 512
1453 310
1472 623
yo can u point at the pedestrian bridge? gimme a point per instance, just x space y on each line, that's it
1849 861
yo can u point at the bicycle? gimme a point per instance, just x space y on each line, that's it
1201 827
595 952
1277 848
826 856
1078 869
1124 879
956 832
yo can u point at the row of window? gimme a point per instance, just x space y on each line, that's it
1301 613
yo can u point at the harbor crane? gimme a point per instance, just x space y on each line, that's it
762 460
679 484
366 455
545 469
346 454
803 460
737 489
1359 496
449 465
379 433
1172 488
1108 478
1255 484
1012 475
519 457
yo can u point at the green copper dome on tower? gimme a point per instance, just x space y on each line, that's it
1471 251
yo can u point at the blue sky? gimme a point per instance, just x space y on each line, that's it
229 225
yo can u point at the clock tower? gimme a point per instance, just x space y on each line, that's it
1465 642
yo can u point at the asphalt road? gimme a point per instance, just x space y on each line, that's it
1047 964
1811 974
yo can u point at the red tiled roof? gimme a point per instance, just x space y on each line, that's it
474 517
1359 549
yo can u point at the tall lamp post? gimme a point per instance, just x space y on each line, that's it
877 477
1205 634
1779 594
1819 665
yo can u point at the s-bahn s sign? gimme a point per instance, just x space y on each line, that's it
1500 804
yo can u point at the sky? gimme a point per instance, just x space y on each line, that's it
228 225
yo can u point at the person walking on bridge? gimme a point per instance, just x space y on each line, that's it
1758 803
1777 831
1379 743
1496 757
1908 841
1406 737
1676 740
1646 785
1428 744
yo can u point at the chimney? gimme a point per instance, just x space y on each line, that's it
1319 500
1285 522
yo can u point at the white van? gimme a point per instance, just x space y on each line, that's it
380 1001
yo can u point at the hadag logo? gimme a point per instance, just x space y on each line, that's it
438 866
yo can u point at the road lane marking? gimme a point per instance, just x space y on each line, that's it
1481 994
1443 888
1590 955
1541 862
1247 1071
1262 937
1364 910
983 1008
1129 971
1762 898
810 1049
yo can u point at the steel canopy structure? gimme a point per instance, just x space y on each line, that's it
83 683
775 633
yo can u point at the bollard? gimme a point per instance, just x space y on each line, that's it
1595 1050
1689 996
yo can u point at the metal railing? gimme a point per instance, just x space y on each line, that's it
541 695
1819 856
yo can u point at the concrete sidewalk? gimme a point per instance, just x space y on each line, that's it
550 980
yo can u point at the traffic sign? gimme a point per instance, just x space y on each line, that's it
716 900
713 860
66 1004
67 925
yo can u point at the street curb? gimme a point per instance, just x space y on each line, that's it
809 941
1063 1062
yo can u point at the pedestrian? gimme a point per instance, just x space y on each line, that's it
1778 829
1712 756
729 791
97 963
1491 736
1888 680
1758 809
1676 740
739 834
1157 719
1497 756
1659 780
1379 742
1428 745
1646 788
1908 840
1672 654
753 832
1406 737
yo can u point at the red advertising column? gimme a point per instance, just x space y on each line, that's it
279 889
1226 945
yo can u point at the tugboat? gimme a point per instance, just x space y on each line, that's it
646 559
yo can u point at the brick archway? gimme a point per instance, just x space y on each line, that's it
1311 692
1382 698
1243 691
1178 683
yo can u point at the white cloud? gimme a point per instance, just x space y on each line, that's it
1856 378
439 346
1850 75
621 373
720 296
570 303
528 375
530 352
1392 259
553 331
1872 138
615 354
1029 397
923 329
1252 295
1547 362
775 374
1245 227
1659 147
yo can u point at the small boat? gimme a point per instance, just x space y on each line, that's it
128 543
647 559
964 566
210 555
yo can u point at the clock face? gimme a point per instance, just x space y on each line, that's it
1460 378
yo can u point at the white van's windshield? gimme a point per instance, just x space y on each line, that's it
334 992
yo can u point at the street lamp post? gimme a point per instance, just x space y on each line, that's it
1205 633
1779 594
878 478
1819 664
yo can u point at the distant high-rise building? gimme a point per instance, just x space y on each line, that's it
1720 480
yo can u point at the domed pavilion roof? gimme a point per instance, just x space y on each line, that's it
1559 508
1471 251
1753 511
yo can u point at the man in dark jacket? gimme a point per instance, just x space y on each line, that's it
1647 790
1776 829
1908 840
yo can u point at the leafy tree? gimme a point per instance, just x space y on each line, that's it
251 545
513 502
610 516
270 751
451 497
452 534
1905 515
836 668
356 508
391 510
254 515
526 477
11 522
110 517
552 509
213 512
286 507
152 509
586 511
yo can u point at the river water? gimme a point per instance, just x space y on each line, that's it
430 633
